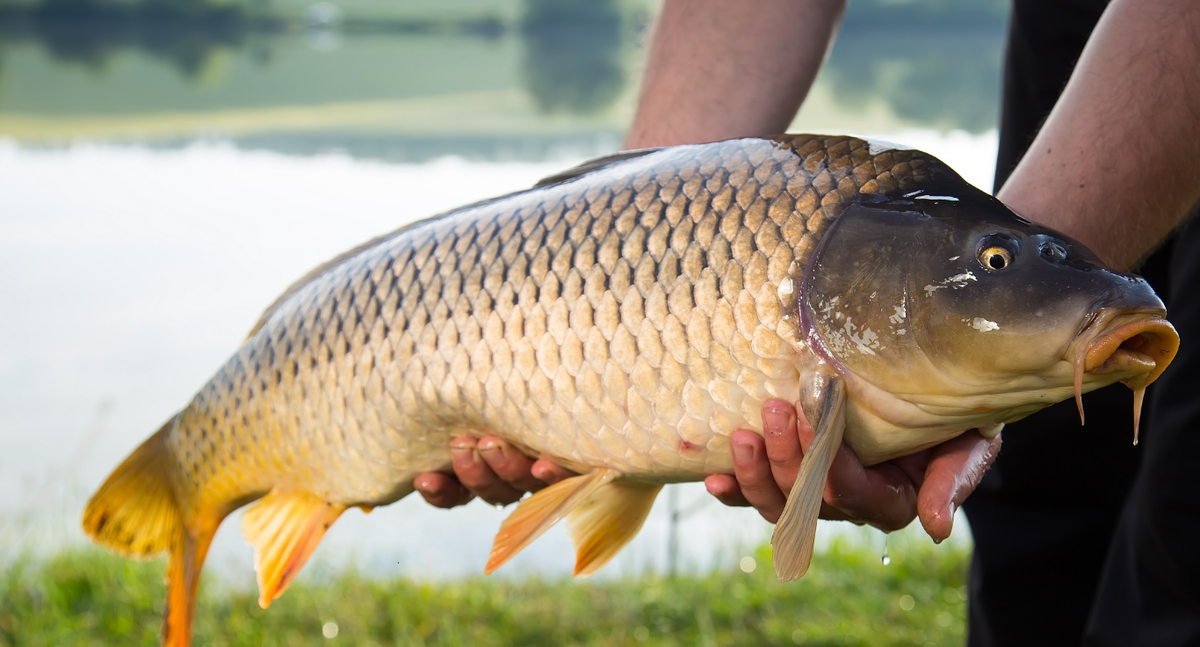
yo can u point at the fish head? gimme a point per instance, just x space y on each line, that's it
950 302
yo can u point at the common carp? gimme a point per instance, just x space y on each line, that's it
624 317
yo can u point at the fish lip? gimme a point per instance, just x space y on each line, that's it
1124 341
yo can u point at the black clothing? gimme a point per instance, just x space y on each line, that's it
1149 592
1055 555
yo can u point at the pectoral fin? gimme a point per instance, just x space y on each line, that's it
792 542
284 528
536 514
604 522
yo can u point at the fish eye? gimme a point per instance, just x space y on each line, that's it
996 252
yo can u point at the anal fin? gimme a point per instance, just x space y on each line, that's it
603 523
792 543
284 528
545 508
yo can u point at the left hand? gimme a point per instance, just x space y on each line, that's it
489 468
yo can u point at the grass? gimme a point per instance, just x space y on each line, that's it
88 597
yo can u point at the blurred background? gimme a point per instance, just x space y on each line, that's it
167 167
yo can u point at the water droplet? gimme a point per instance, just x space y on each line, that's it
499 506
886 559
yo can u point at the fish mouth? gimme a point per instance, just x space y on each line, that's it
1138 344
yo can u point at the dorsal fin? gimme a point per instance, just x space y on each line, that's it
583 169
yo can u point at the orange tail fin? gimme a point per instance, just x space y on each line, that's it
136 514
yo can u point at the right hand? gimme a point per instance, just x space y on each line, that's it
929 484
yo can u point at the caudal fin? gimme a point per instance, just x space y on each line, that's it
137 514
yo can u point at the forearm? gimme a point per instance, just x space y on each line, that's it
1117 164
719 69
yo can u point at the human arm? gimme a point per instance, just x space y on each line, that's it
1117 163
718 69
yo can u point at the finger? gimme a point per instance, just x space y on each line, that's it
725 487
914 466
781 467
955 469
510 465
753 473
882 496
441 490
476 475
546 470
782 442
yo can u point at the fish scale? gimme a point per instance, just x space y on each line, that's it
608 320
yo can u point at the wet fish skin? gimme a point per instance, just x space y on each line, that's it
623 318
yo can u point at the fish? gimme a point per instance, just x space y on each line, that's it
623 318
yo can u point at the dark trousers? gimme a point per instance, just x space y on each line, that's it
1080 537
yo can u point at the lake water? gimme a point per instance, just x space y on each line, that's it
149 211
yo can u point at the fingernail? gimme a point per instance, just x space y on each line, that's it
742 452
425 486
490 445
463 456
777 421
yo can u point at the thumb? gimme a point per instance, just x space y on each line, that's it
955 469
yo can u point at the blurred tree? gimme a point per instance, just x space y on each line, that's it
903 14
936 79
82 45
936 63
573 54
188 34
198 55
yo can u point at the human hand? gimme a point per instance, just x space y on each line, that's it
930 484
489 468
